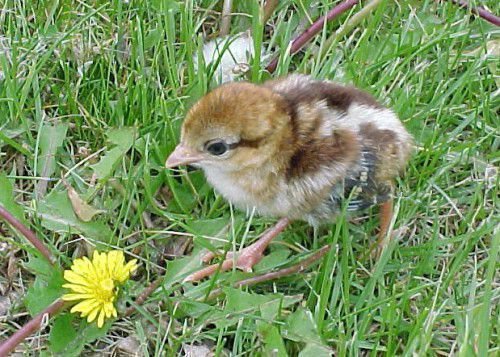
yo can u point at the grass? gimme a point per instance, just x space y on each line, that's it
71 73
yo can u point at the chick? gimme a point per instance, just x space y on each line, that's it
294 148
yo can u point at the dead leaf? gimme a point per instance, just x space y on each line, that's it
491 176
129 346
12 267
82 209
5 305
196 351
8 302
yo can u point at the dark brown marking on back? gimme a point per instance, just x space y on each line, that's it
291 109
340 147
336 96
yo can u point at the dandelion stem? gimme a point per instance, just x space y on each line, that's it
316 27
32 326
28 233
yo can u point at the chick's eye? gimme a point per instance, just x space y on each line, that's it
217 148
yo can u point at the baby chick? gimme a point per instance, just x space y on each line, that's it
294 148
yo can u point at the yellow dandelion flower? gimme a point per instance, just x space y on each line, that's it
95 282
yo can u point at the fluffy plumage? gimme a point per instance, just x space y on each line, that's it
295 147
299 146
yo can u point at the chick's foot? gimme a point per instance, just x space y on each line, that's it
246 259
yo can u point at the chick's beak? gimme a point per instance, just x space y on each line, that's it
182 156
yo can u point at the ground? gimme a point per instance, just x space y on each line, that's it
92 95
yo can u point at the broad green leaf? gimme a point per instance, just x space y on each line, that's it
7 198
62 332
272 260
178 269
91 332
39 297
51 138
122 139
184 199
57 215
44 291
39 266
272 309
189 307
204 228
86 333
316 350
216 227
269 311
300 327
105 167
240 303
273 343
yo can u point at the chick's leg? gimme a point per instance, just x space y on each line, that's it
245 260
385 216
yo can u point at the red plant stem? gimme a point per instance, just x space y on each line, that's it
32 326
144 295
316 27
297 268
269 8
28 233
485 14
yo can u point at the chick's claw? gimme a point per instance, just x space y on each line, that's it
245 262
209 270
207 258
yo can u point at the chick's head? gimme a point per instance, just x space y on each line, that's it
236 126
